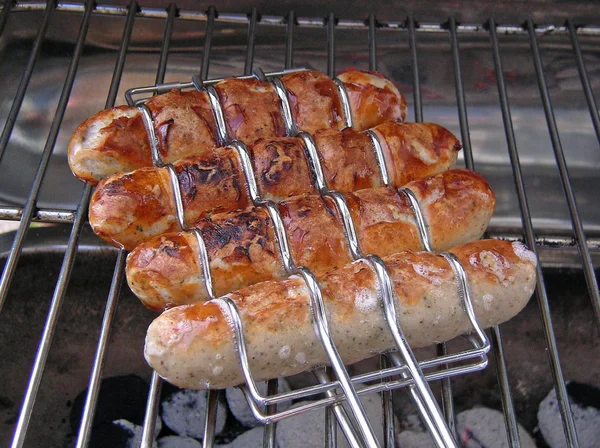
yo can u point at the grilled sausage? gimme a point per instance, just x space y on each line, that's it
193 346
127 209
115 140
372 95
252 109
242 250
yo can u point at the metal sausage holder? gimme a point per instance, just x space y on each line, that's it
399 368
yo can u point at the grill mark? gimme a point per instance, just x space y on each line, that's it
214 171
244 229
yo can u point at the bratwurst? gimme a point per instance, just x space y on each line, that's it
193 346
242 249
115 140
127 209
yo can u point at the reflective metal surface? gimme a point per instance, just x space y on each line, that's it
61 190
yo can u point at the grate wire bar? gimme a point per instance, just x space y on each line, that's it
391 366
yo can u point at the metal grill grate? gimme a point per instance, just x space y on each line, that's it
31 212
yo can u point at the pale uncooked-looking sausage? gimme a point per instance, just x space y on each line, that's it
193 346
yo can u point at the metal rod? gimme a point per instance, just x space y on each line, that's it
25 78
177 196
248 170
441 349
250 48
336 414
372 42
348 226
447 396
460 96
151 134
6 7
40 215
208 33
542 297
387 400
89 410
151 414
289 39
379 157
314 162
210 418
120 65
321 326
194 83
412 40
512 426
41 356
219 115
111 305
330 427
330 422
420 391
331 45
510 417
291 129
69 258
585 79
164 49
307 22
270 428
563 170
28 210
419 218
345 100
427 412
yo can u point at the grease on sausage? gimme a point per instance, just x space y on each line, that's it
193 346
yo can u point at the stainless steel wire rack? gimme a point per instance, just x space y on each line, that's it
360 433
399 369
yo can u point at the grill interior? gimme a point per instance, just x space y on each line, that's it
521 98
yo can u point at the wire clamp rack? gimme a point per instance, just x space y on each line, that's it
405 370
390 376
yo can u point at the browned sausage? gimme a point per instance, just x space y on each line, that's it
115 140
127 209
242 249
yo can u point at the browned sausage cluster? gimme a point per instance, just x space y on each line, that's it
192 344
242 249
127 209
115 140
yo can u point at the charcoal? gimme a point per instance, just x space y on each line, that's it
250 439
485 427
178 442
183 411
241 410
308 428
120 397
585 404
119 434
415 439
476 428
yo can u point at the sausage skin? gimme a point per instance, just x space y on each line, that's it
120 210
193 346
242 250
115 140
